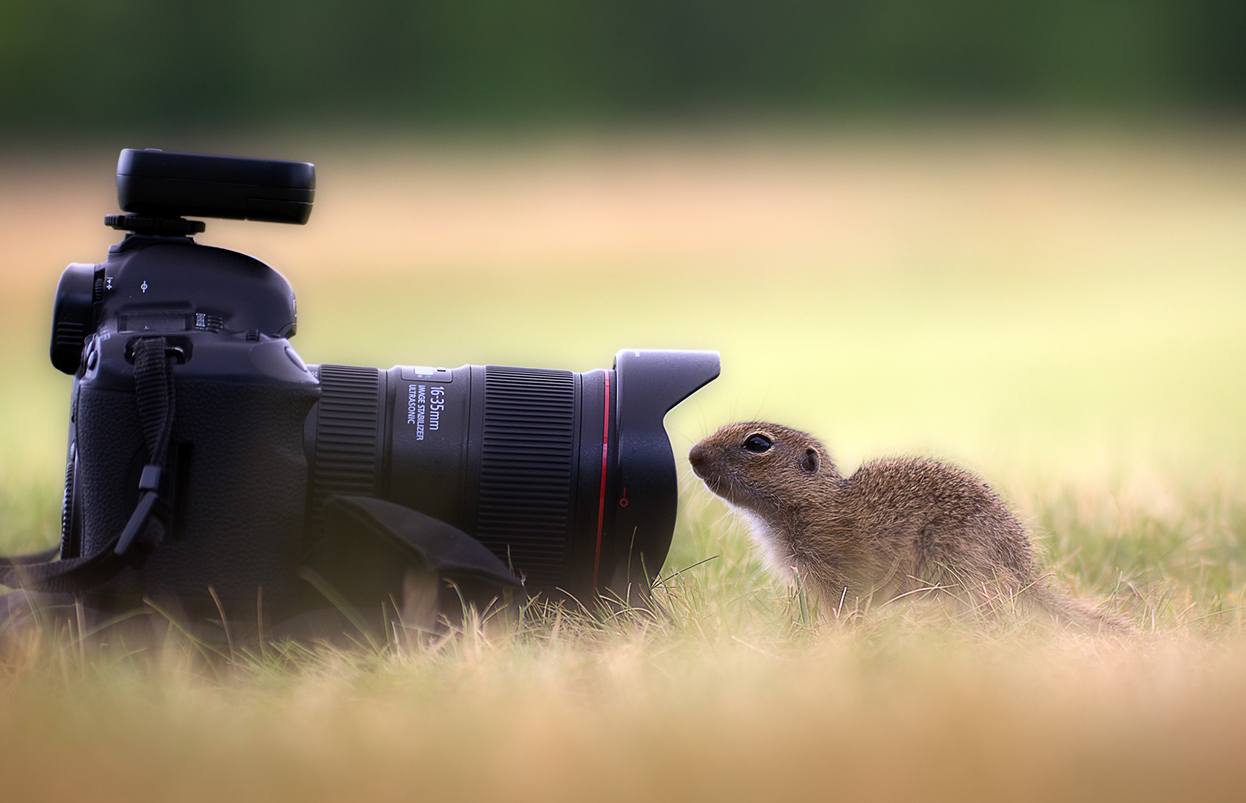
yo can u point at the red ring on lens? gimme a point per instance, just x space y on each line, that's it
601 500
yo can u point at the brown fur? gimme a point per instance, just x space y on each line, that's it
893 528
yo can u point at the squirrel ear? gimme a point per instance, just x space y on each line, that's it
810 461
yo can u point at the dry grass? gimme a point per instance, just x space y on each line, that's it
728 694
1062 313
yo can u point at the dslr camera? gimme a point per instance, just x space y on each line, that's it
208 463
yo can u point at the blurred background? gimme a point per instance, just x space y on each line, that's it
1010 234
77 67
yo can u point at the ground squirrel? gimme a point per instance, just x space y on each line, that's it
895 527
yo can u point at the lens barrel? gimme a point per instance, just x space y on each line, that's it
526 460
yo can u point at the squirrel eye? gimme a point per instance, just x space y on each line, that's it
757 443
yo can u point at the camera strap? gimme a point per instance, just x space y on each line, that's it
153 391
370 543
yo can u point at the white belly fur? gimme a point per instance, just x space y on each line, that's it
776 554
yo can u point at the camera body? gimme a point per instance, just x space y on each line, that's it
566 478
237 469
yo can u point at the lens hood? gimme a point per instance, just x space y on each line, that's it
651 383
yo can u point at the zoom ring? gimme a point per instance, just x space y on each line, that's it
347 437
524 513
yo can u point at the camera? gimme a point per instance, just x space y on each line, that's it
208 463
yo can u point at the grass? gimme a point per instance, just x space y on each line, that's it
1060 313
730 695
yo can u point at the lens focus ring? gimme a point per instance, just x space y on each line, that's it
526 473
347 437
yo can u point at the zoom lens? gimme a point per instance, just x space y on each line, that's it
567 477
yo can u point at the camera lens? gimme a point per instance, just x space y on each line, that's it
567 477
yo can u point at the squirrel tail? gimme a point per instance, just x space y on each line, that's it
1077 612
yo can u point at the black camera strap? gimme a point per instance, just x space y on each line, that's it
153 390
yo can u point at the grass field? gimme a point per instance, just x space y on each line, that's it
1060 311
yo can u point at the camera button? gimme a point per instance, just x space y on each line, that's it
423 373
296 359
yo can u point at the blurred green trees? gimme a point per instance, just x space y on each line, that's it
71 63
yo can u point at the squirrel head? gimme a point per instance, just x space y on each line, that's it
764 468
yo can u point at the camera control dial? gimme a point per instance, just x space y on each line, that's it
73 316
